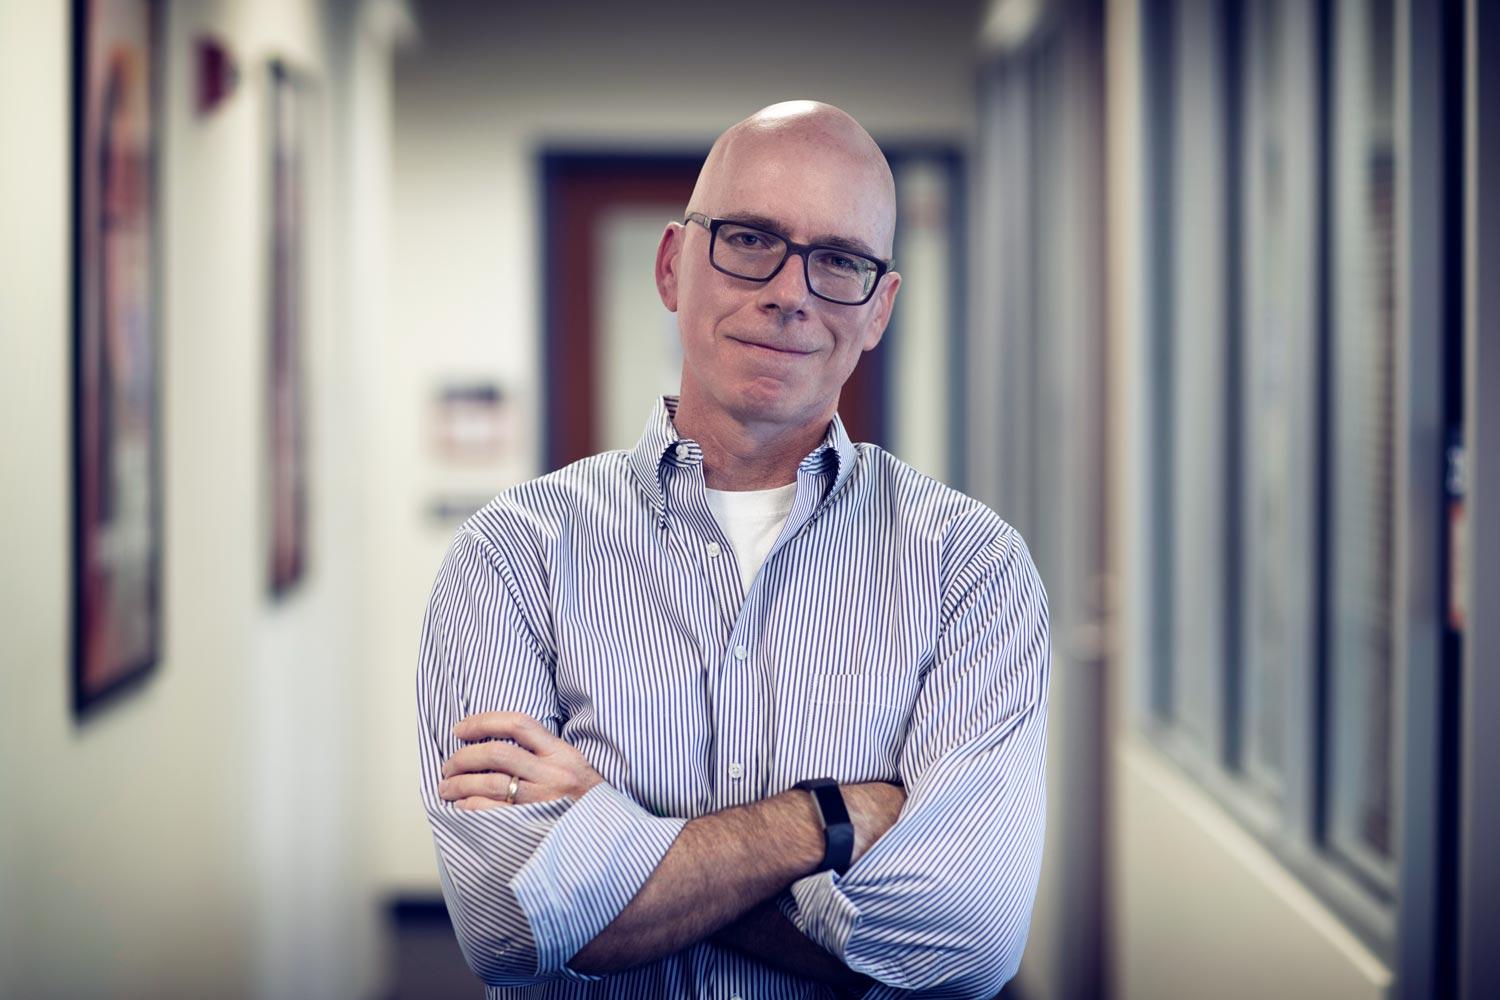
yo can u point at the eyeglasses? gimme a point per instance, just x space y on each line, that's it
836 274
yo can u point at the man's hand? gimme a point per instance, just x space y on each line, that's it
766 936
546 768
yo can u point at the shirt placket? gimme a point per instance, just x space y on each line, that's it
747 678
738 678
731 674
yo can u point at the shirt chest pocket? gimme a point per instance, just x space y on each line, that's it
852 726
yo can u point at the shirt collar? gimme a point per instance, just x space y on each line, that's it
661 449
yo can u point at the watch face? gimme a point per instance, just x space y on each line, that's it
838 847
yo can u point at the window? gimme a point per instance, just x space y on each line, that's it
1274 168
1361 544
1278 384
1199 431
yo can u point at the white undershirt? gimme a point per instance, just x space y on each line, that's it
752 521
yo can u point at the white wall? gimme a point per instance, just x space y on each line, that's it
199 837
484 92
34 529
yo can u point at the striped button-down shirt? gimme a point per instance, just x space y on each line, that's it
897 631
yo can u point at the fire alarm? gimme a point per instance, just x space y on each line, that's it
217 74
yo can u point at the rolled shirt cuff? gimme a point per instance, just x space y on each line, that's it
824 914
586 870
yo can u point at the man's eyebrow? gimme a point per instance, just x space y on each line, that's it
823 239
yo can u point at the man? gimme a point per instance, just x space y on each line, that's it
628 666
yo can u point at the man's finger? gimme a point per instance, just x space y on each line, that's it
481 757
477 802
462 786
517 726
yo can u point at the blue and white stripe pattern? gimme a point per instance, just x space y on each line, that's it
896 632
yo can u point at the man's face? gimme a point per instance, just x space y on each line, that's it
772 352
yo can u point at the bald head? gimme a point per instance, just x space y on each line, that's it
784 136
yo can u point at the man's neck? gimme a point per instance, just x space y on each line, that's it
739 456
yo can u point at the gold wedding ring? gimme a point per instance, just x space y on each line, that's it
510 795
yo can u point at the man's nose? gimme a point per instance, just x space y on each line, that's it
787 291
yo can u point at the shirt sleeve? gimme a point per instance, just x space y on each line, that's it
943 900
527 886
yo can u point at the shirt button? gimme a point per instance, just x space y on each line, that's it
683 451
740 652
736 770
713 550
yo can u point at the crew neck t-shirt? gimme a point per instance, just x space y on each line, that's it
752 521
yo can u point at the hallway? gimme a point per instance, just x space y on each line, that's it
1193 294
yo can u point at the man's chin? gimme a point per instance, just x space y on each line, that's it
776 403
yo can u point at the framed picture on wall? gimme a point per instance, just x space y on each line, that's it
117 479
287 402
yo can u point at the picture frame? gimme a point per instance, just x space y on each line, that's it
116 248
287 485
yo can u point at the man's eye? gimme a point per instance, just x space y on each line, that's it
748 241
841 264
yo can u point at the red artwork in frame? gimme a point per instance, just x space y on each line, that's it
116 351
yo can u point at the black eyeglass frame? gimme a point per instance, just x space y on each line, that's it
803 250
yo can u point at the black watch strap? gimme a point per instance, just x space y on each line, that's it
838 831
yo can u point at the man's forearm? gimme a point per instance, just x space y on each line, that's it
725 864
721 866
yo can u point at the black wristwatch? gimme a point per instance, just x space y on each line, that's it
838 832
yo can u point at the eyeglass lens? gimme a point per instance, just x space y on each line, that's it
756 254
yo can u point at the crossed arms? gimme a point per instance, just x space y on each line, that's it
576 880
720 868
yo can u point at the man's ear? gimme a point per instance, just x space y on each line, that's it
884 302
667 254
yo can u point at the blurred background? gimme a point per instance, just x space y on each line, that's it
1199 296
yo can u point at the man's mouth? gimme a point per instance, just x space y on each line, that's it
788 351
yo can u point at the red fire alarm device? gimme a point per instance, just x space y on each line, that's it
217 74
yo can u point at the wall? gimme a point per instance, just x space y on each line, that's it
475 102
197 837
